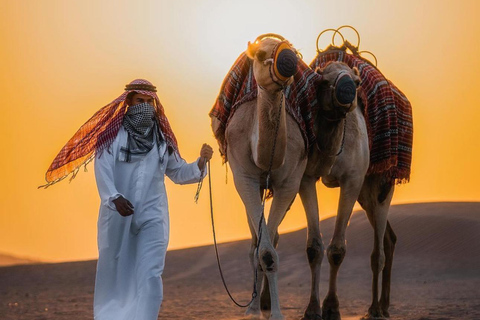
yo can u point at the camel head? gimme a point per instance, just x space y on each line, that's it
337 92
274 61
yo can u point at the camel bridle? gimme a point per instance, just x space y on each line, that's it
341 105
343 93
283 60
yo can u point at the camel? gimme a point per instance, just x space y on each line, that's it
250 136
342 160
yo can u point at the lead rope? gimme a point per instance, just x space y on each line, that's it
262 218
254 293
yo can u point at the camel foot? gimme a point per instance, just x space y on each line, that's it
313 311
374 314
330 308
370 317
384 309
277 317
253 313
316 316
267 314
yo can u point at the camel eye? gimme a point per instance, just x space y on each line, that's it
261 55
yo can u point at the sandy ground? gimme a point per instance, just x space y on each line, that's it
436 273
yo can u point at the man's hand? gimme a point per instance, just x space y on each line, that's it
206 153
124 207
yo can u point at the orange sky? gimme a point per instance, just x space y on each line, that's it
62 60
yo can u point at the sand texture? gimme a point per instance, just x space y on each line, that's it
436 273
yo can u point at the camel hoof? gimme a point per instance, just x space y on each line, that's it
370 317
385 313
330 308
312 316
252 313
267 314
331 314
313 311
374 315
276 317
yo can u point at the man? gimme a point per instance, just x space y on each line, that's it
134 147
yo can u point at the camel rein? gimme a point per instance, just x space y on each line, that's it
262 217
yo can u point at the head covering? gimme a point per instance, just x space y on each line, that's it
98 133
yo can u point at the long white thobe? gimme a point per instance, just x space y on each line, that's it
132 249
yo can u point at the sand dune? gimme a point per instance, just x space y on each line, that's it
436 273
8 260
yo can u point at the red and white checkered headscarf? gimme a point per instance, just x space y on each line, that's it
98 133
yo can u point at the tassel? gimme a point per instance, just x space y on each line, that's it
226 173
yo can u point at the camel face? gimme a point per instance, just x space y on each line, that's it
338 91
274 63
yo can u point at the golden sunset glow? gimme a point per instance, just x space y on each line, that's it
63 60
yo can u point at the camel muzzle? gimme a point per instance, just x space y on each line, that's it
345 90
285 61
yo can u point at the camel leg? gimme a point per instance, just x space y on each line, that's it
282 200
253 309
389 247
247 188
265 298
315 251
375 198
349 191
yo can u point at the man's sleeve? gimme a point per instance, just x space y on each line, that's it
104 169
181 172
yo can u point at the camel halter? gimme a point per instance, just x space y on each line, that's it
283 61
343 93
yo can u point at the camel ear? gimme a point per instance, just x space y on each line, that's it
252 49
319 70
355 70
356 78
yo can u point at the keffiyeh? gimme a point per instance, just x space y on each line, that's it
97 134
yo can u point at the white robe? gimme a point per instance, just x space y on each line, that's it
132 249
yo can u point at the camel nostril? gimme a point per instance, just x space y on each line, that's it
345 90
286 63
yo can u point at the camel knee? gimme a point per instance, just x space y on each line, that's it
269 261
315 252
336 254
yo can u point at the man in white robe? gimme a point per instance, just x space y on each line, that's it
134 148
133 234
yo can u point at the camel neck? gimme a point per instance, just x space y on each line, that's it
269 104
330 136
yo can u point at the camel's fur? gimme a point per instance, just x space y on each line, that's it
347 171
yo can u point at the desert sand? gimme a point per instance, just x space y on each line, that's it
436 273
